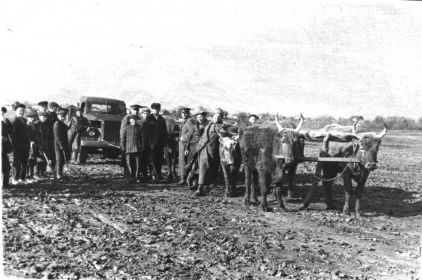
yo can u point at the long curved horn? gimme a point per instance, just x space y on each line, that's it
299 126
280 128
382 133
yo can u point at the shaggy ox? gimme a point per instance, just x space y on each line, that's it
363 147
269 153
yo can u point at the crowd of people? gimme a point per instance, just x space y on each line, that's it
41 139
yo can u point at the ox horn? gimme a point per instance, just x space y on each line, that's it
383 132
280 128
299 126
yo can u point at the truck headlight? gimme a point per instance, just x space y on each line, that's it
92 133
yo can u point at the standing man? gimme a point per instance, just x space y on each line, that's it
146 165
6 146
33 143
186 133
133 110
131 144
43 106
46 144
20 141
60 143
51 113
156 130
208 152
78 125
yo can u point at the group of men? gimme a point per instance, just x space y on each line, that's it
39 139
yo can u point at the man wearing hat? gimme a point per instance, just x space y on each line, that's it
133 110
252 119
60 143
191 167
208 152
33 143
43 106
6 146
45 137
20 142
131 143
146 165
51 112
186 135
78 125
156 132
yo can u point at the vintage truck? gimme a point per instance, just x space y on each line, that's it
104 116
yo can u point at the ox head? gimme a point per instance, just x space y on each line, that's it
289 143
365 148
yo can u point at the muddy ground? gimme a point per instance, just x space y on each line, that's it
96 226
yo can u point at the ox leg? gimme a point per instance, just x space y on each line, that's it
311 191
292 191
247 198
278 195
359 191
348 192
228 191
263 180
254 190
328 174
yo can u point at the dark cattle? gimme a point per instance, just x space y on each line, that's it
362 146
171 152
230 158
270 153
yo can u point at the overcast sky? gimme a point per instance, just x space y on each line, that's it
316 57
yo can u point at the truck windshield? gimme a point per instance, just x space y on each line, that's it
107 108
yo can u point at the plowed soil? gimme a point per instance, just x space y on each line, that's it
96 226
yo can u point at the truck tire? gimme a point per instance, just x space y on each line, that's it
83 155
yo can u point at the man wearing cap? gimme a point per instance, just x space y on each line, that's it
78 125
145 164
133 110
45 137
191 168
60 143
33 143
43 106
20 142
252 119
131 143
6 146
208 152
156 131
51 113
186 134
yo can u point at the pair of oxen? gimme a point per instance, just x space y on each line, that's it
272 154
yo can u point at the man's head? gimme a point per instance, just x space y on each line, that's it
253 118
3 111
185 113
42 116
61 115
134 109
78 112
53 106
43 105
20 109
145 112
201 117
218 116
155 108
31 116
132 119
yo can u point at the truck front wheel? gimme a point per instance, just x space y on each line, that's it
83 155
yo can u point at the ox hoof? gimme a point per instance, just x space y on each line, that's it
265 208
345 213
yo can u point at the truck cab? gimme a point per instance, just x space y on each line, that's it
104 116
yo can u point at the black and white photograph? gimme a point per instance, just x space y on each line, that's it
187 139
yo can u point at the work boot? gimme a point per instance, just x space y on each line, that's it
199 191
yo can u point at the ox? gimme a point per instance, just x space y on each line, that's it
269 153
171 152
347 143
230 159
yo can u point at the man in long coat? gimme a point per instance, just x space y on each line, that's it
6 146
46 143
186 134
145 162
156 130
131 144
133 111
78 125
208 153
60 143
21 145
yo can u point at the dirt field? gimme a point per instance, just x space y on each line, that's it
97 227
